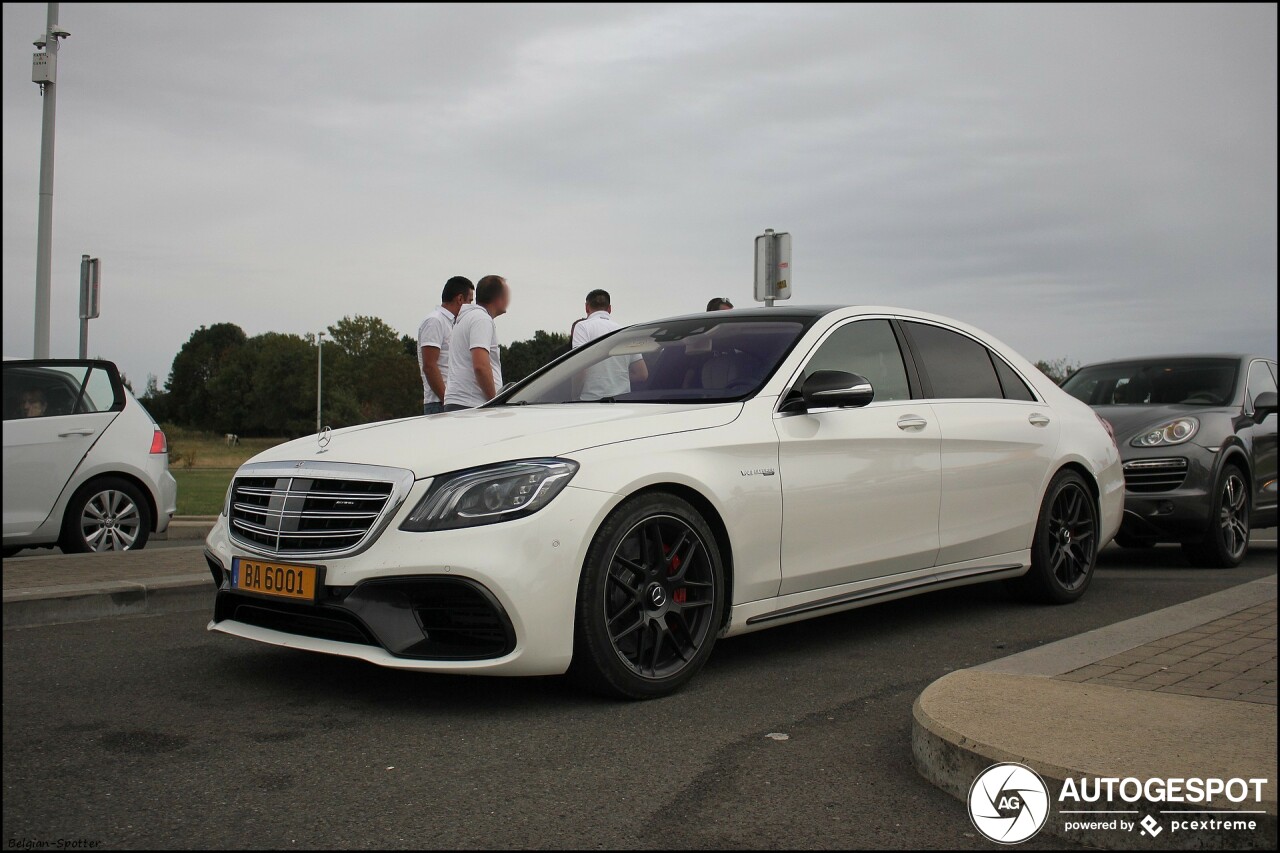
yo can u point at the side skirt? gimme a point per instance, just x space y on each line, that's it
756 615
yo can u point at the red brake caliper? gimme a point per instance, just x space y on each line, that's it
678 594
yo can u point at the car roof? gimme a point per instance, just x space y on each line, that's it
1232 356
807 312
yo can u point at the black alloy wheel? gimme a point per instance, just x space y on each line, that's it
1064 551
1226 540
651 599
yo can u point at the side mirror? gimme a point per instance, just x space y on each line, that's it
1264 405
835 388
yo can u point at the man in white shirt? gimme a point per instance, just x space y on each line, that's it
612 376
433 342
475 370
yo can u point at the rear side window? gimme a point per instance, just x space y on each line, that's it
957 367
34 390
870 349
1011 382
99 393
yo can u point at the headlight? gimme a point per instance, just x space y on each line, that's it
1174 432
491 494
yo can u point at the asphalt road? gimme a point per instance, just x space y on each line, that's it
150 732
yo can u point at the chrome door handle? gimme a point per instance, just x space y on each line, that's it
1039 420
76 432
912 422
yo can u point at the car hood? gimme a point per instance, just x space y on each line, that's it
449 442
1129 421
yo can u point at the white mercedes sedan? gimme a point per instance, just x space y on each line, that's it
771 465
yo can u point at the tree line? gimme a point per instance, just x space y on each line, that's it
222 380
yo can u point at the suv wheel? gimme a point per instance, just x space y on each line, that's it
1226 541
1064 550
651 600
106 515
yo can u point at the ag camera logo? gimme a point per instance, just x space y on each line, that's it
1008 803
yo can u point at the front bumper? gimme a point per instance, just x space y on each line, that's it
1163 504
498 599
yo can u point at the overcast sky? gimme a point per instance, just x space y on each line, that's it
1090 182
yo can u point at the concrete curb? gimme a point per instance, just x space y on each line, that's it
193 527
57 605
1013 710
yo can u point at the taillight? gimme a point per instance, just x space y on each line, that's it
158 443
1106 424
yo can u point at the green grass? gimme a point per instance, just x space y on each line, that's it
190 449
201 491
203 465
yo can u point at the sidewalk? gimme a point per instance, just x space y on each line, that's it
78 587
1184 692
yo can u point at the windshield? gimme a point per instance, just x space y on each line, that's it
680 361
1188 382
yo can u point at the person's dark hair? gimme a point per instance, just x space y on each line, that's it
488 289
598 300
455 287
718 303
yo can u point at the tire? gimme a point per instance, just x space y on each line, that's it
1135 543
1226 542
1064 550
109 514
650 602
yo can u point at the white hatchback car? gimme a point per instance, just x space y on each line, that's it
85 466
776 464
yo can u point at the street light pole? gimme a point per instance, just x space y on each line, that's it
319 375
44 233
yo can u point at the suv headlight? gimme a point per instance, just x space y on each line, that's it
1173 432
490 494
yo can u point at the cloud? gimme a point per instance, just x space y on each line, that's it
1082 181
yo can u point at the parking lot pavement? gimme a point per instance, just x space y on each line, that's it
149 731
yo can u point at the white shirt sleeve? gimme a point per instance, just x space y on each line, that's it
483 335
580 334
433 333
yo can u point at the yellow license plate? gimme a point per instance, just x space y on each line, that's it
281 580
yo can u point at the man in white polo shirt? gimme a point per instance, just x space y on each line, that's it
433 342
475 367
612 376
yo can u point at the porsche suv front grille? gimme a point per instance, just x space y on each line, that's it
1154 475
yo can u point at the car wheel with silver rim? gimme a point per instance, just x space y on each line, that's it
651 599
106 515
1226 541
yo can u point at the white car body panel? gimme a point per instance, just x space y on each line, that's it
944 524
40 455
